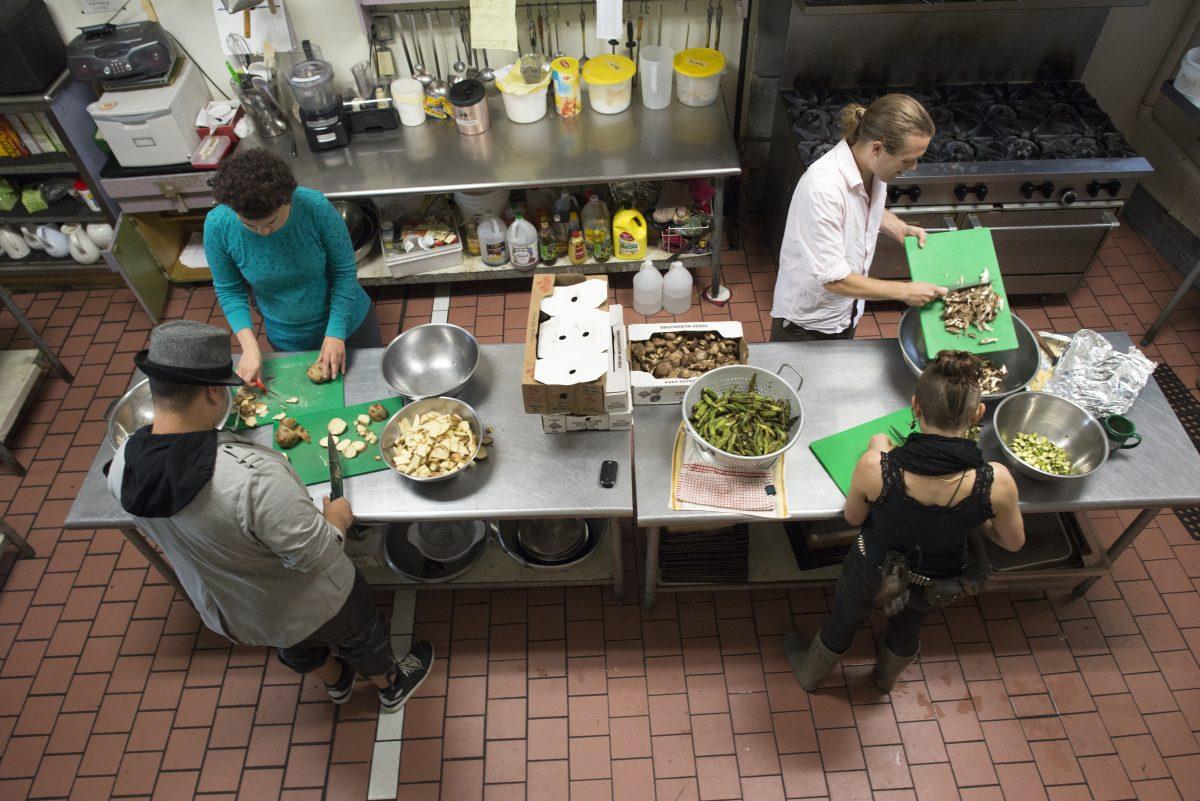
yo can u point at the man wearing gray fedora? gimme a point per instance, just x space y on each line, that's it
260 563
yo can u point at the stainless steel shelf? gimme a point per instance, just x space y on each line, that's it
67 210
41 164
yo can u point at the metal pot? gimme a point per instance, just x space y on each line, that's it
362 223
435 551
507 538
552 540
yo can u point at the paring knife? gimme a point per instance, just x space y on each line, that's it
335 470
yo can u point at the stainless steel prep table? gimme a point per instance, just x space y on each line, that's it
528 474
846 383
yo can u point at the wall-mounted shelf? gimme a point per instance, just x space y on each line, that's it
41 164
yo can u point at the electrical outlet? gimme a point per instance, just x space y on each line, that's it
383 28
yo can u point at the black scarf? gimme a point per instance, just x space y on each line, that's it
165 472
935 455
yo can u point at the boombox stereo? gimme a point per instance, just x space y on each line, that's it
122 56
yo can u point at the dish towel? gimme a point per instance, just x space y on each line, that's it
699 484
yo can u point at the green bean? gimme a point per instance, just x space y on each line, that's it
742 423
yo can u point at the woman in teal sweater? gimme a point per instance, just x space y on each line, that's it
290 246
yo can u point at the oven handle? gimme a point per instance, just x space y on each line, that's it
1110 221
948 223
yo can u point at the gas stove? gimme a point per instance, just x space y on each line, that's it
1040 164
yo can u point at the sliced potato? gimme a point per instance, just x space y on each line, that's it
337 425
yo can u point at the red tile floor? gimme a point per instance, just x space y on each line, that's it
109 686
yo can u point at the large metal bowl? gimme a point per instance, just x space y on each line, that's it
134 410
430 360
1064 423
1022 363
363 224
391 431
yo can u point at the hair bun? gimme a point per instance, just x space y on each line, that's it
959 367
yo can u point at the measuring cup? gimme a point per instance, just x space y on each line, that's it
657 71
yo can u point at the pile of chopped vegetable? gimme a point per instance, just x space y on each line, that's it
993 377
1037 451
742 423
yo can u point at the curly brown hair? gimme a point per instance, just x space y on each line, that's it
254 183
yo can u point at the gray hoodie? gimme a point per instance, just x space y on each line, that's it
258 560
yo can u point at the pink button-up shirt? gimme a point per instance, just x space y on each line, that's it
831 230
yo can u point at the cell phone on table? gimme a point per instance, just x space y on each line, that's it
608 474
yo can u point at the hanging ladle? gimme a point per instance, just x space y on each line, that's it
438 88
459 66
420 74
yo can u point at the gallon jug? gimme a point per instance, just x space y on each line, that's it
492 248
522 243
677 289
648 290
629 235
597 229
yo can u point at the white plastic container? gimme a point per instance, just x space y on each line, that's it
493 248
656 68
1188 79
409 97
610 83
648 290
523 102
698 79
522 241
676 289
482 202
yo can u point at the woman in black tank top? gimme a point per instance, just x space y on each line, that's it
917 505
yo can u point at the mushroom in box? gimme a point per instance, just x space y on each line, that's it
664 359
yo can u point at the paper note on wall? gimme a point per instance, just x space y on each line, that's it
608 20
494 24
275 28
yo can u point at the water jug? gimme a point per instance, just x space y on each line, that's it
677 289
648 290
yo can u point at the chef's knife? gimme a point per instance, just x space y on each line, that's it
335 470
967 285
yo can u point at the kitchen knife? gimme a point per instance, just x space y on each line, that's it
335 470
967 285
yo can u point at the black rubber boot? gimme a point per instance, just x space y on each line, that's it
889 667
812 661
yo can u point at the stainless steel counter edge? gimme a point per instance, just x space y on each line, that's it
527 473
847 383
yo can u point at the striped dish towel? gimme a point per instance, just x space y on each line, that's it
700 482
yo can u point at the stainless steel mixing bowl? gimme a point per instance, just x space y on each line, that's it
391 431
134 410
1022 363
429 360
1064 423
363 224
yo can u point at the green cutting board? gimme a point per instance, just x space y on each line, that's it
949 259
839 453
287 376
311 461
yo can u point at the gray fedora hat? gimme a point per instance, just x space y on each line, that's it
187 352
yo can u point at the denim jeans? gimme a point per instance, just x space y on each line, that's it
358 632
857 586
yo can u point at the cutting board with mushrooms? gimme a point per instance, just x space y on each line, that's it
293 392
977 320
358 428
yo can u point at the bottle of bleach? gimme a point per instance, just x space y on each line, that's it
648 289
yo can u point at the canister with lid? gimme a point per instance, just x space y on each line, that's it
610 83
469 99
567 95
699 70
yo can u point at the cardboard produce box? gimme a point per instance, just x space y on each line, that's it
618 401
585 398
648 390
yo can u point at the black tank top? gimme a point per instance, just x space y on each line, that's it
933 538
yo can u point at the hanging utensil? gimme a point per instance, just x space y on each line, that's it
239 47
403 43
708 26
720 9
541 30
420 74
438 88
558 51
487 73
459 66
658 41
629 42
582 37
687 33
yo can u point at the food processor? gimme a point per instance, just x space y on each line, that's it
320 105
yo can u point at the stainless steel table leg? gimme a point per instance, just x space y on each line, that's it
650 590
23 547
1161 320
715 291
618 551
32 333
1126 539
146 549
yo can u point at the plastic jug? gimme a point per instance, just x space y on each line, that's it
597 229
657 72
677 289
648 289
629 235
522 241
492 247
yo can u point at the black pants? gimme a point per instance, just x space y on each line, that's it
365 336
358 632
786 331
857 585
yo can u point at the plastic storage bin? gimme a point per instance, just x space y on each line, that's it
655 66
610 83
523 102
699 81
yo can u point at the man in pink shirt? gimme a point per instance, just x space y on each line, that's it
835 218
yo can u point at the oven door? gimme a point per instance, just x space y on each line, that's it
890 259
1046 250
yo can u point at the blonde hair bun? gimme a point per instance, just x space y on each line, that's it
890 119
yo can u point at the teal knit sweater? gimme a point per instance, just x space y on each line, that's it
303 275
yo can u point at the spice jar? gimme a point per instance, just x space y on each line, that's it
469 99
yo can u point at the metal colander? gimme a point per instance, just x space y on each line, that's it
737 377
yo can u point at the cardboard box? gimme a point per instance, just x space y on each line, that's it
648 390
585 399
620 420
616 388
